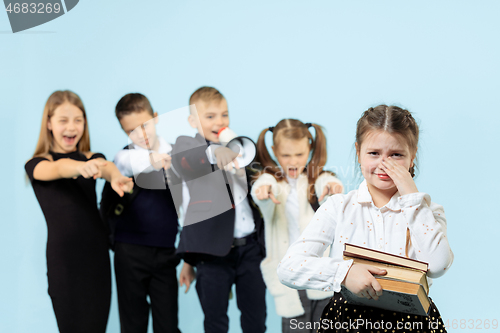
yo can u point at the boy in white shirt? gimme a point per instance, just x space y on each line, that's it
223 230
145 259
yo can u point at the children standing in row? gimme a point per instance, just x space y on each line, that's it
386 213
223 233
288 193
63 171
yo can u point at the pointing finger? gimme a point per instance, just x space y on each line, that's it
325 192
337 188
84 174
94 169
273 199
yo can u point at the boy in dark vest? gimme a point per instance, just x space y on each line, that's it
145 232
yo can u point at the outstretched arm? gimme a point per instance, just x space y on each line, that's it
189 158
119 182
263 194
327 184
134 161
47 170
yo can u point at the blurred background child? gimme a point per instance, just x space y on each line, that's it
288 193
63 171
223 230
145 260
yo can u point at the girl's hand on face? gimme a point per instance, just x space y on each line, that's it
360 281
122 184
91 168
330 189
264 192
400 176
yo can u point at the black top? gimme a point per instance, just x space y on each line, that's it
151 218
69 205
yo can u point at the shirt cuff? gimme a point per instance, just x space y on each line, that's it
210 151
342 270
412 199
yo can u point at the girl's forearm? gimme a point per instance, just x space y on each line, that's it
109 171
67 168
427 223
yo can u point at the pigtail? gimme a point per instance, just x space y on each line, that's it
267 164
318 159
412 171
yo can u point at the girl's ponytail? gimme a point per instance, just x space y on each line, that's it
318 159
267 164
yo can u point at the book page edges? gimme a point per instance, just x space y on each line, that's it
365 253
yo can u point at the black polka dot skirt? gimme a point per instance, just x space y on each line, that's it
339 316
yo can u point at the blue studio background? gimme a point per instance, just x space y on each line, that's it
318 61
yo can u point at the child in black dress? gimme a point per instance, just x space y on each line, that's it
63 173
387 213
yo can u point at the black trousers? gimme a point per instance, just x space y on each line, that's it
214 280
141 271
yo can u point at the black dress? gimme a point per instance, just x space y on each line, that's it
78 266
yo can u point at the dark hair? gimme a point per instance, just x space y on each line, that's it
133 102
296 130
393 120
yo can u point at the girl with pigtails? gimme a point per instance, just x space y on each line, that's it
288 192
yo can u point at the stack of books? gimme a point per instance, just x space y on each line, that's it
405 287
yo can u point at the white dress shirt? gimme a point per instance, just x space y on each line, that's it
292 211
353 218
132 162
244 224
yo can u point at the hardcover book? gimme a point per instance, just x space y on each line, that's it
405 287
355 251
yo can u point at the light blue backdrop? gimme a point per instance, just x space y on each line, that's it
318 61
